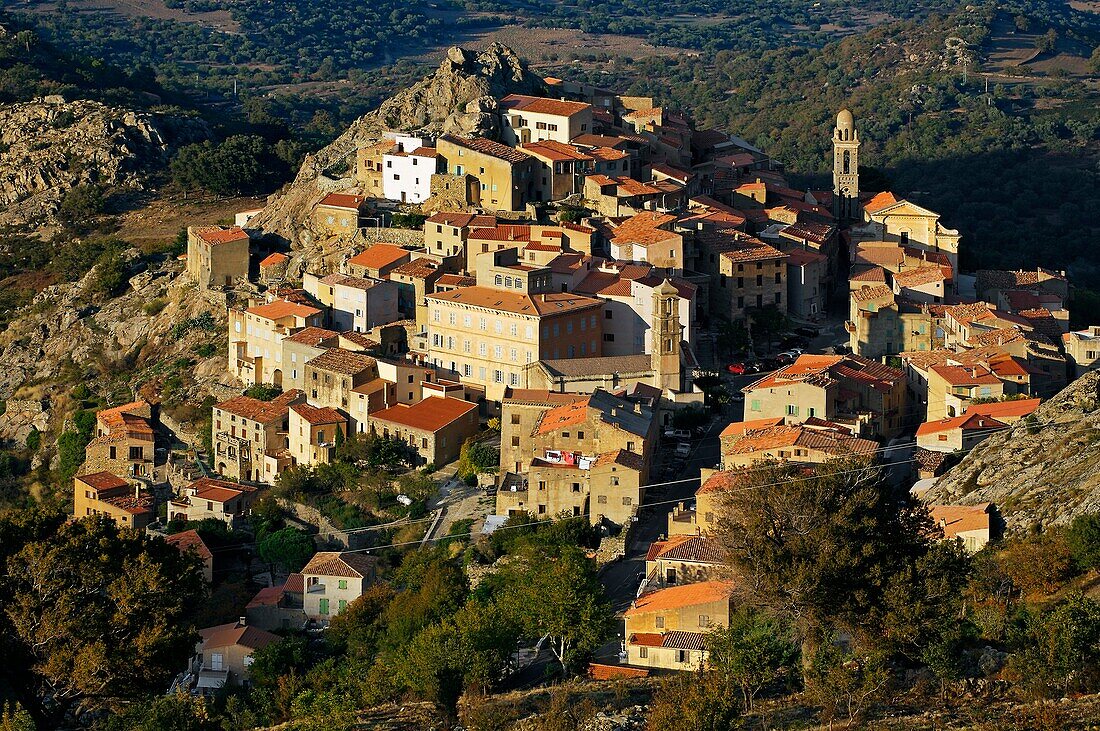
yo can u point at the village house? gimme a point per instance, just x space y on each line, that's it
273 268
223 655
377 261
973 525
961 433
435 427
217 256
648 237
806 284
256 334
1083 349
521 411
279 607
124 442
339 214
504 177
190 542
315 433
953 386
206 497
250 436
607 487
445 233
813 441
560 169
682 559
888 218
332 375
368 164
303 346
407 170
863 396
703 517
485 337
621 195
667 628
745 273
881 323
103 493
355 303
333 580
415 281
409 378
535 119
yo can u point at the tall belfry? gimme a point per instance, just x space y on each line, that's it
667 334
845 167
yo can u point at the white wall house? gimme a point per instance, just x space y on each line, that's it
407 170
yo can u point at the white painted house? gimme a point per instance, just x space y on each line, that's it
407 170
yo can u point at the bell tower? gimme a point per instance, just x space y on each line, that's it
845 167
667 334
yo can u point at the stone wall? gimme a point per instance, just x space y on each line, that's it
399 236
449 193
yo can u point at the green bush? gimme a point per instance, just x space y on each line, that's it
34 440
262 391
81 205
154 307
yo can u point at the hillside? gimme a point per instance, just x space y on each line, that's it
1045 470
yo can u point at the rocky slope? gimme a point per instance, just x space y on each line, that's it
49 145
1046 470
458 98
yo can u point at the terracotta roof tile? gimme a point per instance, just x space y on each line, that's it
346 362
488 147
312 336
956 519
215 235
379 256
430 414
103 481
540 305
346 564
279 309
678 597
317 416
273 259
342 200
542 105
190 540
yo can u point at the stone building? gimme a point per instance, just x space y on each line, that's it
217 256
435 427
250 436
331 376
124 443
505 176
103 493
315 433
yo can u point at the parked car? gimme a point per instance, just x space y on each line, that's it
677 434
683 449
767 364
785 357
737 396
807 332
842 349
738 369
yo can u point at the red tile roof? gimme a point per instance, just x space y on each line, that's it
678 597
103 481
215 235
965 422
379 256
430 414
882 200
190 540
230 635
273 259
279 309
955 519
318 416
342 200
346 564
488 147
542 105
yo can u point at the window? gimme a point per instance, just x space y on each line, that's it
601 499
343 583
515 419
704 620
792 410
341 605
217 661
515 441
576 487
628 501
323 607
580 435
659 622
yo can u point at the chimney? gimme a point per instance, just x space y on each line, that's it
614 411
137 490
242 622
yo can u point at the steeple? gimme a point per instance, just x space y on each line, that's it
667 334
845 167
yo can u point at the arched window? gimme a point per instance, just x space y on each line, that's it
846 167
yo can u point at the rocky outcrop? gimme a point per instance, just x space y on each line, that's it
49 145
458 98
60 327
1044 469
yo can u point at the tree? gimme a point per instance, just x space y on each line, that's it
1059 649
80 205
554 592
262 391
372 450
240 164
769 321
110 272
288 548
93 616
819 549
752 652
732 337
846 682
1048 41
1083 537
178 712
476 458
699 702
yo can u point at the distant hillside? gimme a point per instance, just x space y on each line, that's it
1043 470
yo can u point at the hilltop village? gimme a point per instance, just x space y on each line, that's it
631 311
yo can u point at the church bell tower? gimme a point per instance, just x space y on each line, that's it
667 335
845 167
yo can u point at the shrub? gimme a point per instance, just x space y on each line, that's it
263 391
154 307
80 204
1083 537
34 440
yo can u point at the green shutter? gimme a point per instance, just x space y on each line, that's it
324 606
340 607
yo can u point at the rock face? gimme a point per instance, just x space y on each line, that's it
49 145
458 98
1042 470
